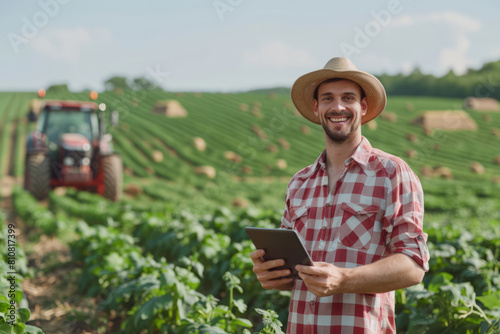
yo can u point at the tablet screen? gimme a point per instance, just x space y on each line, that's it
280 244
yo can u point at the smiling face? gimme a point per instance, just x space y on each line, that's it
340 106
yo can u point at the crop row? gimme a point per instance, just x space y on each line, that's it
218 119
14 309
460 292
226 126
152 293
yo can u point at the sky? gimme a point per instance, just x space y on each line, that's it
236 45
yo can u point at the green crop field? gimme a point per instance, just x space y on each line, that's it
171 256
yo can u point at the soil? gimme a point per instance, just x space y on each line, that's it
55 304
12 154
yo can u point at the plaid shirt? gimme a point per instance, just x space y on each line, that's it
374 210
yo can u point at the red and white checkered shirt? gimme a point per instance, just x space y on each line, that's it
375 209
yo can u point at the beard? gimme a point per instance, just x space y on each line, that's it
339 136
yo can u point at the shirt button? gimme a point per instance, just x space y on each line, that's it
327 204
419 238
311 302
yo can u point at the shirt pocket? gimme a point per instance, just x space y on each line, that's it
358 220
298 217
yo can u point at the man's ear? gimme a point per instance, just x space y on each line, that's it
315 107
364 106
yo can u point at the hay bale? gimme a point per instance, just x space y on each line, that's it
134 102
157 156
247 170
496 160
496 179
208 171
477 168
128 171
429 132
446 120
240 203
272 148
372 125
256 112
199 144
443 172
288 105
409 106
411 154
169 108
436 147
481 103
495 132
305 129
412 137
132 189
284 143
231 156
243 107
272 96
426 171
256 104
258 131
389 116
281 164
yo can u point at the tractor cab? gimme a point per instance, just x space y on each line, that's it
69 148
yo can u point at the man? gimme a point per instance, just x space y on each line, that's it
358 210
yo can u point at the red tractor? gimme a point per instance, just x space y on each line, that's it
70 148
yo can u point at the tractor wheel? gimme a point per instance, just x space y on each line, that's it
113 179
37 176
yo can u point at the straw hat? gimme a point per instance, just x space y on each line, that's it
342 68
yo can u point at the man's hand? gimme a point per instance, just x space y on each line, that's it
322 279
394 272
270 279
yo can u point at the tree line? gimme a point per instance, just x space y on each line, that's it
483 82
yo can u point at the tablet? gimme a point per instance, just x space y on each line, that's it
280 244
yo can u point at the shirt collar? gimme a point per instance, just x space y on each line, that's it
361 155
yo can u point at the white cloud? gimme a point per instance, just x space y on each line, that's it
456 20
279 54
69 44
404 20
406 67
455 57
449 38
453 19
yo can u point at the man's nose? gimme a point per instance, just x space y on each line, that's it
337 105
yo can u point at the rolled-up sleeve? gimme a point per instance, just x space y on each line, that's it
403 220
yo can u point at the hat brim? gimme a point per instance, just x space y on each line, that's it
302 92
